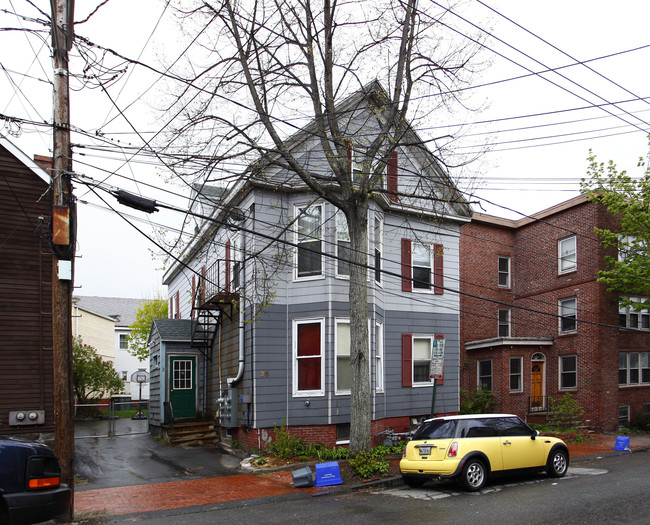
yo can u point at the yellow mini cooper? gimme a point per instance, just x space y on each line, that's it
472 447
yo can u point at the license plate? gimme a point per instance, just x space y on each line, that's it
425 451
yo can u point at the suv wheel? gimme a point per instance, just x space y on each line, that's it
558 463
473 475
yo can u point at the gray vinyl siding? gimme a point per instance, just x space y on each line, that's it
273 368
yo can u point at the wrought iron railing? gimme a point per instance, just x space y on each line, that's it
538 403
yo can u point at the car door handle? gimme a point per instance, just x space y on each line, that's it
507 442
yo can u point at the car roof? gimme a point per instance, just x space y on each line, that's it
468 416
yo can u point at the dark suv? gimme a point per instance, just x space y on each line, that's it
30 483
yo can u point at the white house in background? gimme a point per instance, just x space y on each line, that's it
103 322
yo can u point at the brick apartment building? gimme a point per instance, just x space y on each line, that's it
535 323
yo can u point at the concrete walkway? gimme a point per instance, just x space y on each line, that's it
142 498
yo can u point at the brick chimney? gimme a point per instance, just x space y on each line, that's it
44 162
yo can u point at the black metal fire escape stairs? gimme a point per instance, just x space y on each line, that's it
214 296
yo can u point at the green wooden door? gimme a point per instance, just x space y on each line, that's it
182 386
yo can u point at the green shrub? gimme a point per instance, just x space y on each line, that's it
365 466
284 445
566 412
478 401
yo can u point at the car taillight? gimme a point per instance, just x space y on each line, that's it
404 453
43 472
453 450
41 483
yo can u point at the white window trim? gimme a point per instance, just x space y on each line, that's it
478 372
560 258
337 322
430 246
296 277
560 369
499 272
559 313
308 393
340 216
379 357
640 369
378 221
508 322
431 338
521 373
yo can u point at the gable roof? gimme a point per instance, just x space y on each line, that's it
24 159
178 330
122 310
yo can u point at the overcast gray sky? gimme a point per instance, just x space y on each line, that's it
533 162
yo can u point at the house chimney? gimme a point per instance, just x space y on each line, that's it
44 162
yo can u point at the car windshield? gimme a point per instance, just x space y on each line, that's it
436 429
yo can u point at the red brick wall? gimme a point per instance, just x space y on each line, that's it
536 289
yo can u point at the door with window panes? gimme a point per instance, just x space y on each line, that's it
182 386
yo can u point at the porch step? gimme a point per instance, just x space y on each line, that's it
190 433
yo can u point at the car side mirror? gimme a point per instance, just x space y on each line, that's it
534 434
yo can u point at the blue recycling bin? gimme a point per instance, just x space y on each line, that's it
622 443
327 474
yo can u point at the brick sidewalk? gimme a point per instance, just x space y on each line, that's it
180 494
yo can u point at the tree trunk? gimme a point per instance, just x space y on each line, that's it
360 417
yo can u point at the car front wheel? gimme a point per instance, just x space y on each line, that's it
558 463
473 475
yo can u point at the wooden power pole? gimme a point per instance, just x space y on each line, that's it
63 242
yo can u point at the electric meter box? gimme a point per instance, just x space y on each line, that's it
228 408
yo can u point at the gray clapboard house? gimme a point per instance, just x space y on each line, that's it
260 299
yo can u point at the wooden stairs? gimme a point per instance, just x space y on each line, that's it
193 433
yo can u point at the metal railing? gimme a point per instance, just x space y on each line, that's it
538 404
111 419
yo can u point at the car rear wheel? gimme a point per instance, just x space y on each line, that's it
473 476
558 463
412 482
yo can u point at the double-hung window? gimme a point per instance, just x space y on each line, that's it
504 322
567 255
504 272
633 368
484 372
378 242
308 366
568 372
416 359
342 245
422 266
515 374
629 317
379 357
309 240
342 371
124 342
568 315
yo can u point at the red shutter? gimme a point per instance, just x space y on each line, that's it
171 307
441 381
391 177
407 360
193 294
178 304
227 276
407 273
438 269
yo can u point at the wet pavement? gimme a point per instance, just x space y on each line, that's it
131 475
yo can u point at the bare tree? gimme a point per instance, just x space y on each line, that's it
266 68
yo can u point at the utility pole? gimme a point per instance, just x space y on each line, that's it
63 241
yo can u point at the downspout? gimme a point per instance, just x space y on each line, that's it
242 281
